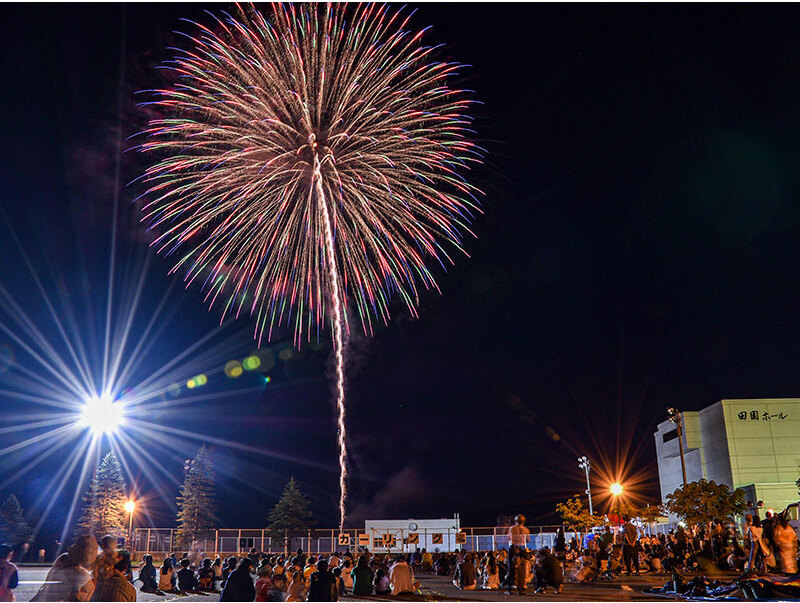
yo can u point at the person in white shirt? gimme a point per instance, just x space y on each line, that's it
517 540
401 577
518 533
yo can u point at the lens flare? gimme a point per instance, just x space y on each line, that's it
101 415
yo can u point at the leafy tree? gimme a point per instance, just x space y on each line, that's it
290 516
647 513
197 513
575 516
702 501
14 530
104 501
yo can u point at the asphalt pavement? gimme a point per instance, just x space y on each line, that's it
434 588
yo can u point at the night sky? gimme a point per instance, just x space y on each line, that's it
639 249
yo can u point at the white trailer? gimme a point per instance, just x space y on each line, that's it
408 535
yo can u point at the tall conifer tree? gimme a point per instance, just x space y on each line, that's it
197 513
14 530
104 502
290 516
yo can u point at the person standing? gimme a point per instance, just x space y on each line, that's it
517 541
9 578
784 539
630 536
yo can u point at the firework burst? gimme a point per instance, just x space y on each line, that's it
309 162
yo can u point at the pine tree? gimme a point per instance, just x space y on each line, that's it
290 516
104 502
14 530
197 515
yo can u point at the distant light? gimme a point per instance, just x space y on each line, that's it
233 369
616 489
251 363
130 506
200 380
285 354
102 415
191 384
267 379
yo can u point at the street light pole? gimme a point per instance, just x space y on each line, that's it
129 507
616 491
676 417
585 464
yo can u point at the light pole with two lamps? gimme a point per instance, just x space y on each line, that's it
585 464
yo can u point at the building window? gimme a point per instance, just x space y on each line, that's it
670 435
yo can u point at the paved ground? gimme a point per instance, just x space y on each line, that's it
434 589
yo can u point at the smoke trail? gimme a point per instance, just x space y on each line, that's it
338 343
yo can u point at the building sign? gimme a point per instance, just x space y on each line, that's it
436 539
755 415
344 539
413 538
461 538
389 541
363 540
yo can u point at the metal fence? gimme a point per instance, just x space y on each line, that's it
161 541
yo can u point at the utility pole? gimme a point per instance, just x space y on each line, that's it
676 417
585 464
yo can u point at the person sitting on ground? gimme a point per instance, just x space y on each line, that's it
322 584
279 585
205 576
104 564
148 575
382 584
114 585
186 578
297 587
401 576
491 572
584 568
9 577
264 581
239 586
227 568
217 567
166 576
70 578
466 576
362 578
548 572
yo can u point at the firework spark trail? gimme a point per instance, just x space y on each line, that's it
308 161
338 341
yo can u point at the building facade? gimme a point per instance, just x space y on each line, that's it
748 444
